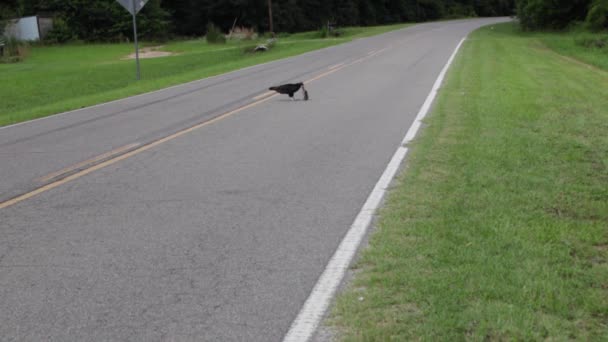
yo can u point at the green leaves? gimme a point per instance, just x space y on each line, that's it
550 14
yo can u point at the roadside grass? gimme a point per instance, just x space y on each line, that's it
498 227
587 47
55 79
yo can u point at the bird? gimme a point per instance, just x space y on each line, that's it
290 89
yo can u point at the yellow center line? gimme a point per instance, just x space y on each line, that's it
263 95
322 75
375 53
124 156
335 66
331 71
86 162
155 143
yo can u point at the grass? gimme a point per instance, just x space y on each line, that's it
590 48
61 78
498 228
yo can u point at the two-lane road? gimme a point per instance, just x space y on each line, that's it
148 222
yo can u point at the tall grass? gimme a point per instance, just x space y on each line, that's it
14 50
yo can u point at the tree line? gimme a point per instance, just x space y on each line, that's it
102 20
559 14
95 20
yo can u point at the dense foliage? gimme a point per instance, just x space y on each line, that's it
597 18
559 14
551 14
94 20
8 9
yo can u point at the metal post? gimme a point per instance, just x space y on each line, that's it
135 38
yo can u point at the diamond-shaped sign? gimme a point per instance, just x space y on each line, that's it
128 5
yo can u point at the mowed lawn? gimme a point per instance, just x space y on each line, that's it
54 79
498 227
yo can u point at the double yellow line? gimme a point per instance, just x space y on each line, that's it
133 149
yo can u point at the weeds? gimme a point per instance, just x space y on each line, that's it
14 50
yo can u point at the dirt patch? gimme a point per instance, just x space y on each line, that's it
151 52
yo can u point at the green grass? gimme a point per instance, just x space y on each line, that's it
498 228
590 48
60 78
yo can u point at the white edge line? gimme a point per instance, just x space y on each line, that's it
313 310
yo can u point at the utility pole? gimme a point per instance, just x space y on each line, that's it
270 17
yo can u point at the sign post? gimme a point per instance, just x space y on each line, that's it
134 6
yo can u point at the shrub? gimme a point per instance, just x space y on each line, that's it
597 18
593 42
214 35
323 32
326 31
60 33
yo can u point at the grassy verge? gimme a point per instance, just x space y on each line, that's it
498 230
60 78
590 48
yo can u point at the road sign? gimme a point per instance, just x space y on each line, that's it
129 6
134 6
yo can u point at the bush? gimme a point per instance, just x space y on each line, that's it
597 18
593 42
325 32
60 33
214 35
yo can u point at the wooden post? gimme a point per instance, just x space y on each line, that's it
232 30
270 17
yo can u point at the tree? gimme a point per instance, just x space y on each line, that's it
8 9
597 18
102 20
94 20
550 14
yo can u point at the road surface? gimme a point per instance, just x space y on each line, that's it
206 211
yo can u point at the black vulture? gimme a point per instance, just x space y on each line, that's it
290 89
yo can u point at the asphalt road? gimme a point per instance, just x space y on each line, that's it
218 233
